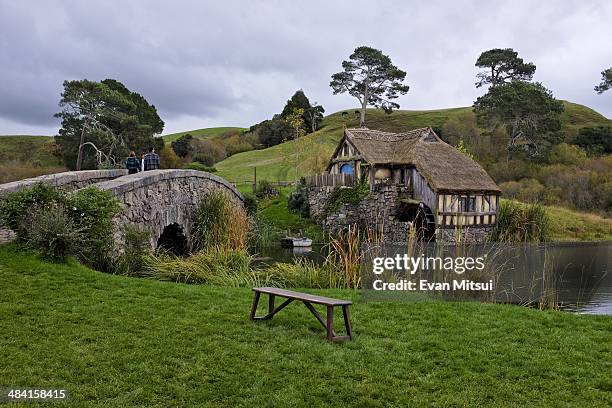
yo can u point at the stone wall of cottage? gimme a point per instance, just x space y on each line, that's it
378 212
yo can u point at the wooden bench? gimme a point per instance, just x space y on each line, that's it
308 301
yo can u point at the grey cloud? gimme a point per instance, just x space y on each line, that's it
235 63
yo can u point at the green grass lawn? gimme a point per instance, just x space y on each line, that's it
205 133
119 341
275 212
568 225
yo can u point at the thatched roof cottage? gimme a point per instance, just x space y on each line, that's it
431 178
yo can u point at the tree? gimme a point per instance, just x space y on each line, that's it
312 113
606 81
370 77
182 146
595 139
528 112
501 66
106 117
274 131
314 116
296 121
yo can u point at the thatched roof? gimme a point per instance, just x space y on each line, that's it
443 166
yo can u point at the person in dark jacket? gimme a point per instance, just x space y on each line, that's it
132 164
151 160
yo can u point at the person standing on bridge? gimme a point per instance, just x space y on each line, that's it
132 164
151 160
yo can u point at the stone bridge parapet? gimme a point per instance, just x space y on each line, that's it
66 181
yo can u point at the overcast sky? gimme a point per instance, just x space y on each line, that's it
231 63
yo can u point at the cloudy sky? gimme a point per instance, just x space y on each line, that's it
235 63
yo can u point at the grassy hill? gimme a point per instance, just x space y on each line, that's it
205 133
27 148
275 163
120 341
23 156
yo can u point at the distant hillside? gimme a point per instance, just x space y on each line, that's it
35 149
205 133
274 163
27 156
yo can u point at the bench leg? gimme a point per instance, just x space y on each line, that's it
330 323
270 304
347 321
254 306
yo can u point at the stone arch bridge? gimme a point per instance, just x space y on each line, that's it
152 200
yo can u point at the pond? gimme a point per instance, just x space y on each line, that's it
581 272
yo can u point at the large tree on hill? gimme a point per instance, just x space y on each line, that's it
501 66
527 111
371 77
314 116
606 81
102 121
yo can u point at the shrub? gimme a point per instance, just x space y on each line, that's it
93 210
15 207
526 190
219 223
200 167
298 200
238 148
136 247
213 150
595 140
182 145
54 233
566 154
204 159
168 159
518 222
512 170
265 189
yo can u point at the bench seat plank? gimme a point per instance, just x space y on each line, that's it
320 300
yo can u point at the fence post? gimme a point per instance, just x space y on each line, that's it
254 180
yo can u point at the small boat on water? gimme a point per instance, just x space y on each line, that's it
293 242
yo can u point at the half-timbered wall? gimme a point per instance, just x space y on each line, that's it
346 154
467 209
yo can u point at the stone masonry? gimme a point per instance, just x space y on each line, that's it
155 199
377 212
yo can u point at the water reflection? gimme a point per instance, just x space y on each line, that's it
582 272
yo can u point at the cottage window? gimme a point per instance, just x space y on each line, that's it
467 204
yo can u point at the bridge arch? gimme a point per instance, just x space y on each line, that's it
156 199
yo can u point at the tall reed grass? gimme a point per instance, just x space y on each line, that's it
518 222
220 224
